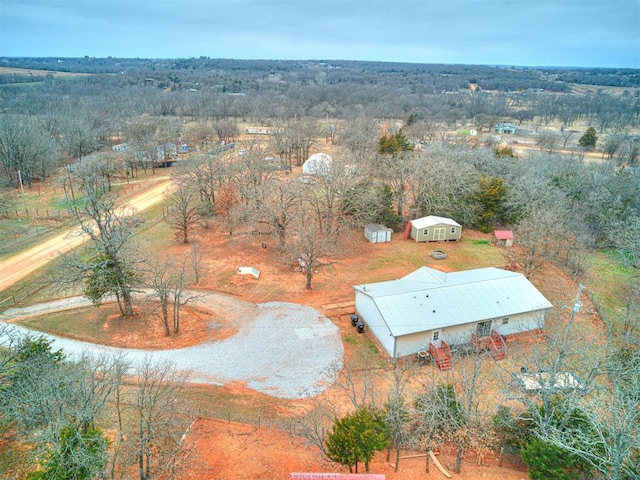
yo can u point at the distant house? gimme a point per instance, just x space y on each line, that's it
429 310
120 147
505 128
433 229
377 233
165 152
222 148
261 131
501 238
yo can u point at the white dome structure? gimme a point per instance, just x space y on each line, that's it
318 164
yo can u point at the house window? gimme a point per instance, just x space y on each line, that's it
425 232
436 336
453 230
505 320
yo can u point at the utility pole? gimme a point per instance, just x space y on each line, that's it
576 304
22 190
73 197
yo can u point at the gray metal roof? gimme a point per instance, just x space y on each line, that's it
433 220
428 299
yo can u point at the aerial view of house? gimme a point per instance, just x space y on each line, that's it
429 308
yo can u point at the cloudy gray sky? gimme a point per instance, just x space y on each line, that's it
602 33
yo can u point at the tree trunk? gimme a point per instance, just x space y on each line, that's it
164 305
127 300
119 302
281 236
141 451
176 314
309 277
459 452
395 469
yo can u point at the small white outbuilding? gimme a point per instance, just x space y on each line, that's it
377 233
318 164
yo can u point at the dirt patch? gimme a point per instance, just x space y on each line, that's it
234 451
146 330
226 450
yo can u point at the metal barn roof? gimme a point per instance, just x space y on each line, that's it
503 234
428 299
432 220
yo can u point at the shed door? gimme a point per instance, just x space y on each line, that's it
483 329
439 233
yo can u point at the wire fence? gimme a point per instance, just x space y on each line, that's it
21 294
37 213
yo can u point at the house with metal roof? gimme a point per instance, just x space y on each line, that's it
429 310
433 229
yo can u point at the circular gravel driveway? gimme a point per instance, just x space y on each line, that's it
282 349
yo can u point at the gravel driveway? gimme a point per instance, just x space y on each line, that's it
281 349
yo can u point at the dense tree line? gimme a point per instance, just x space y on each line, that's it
85 418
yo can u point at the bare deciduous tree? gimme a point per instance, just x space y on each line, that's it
195 259
110 227
310 246
26 152
160 421
182 213
398 410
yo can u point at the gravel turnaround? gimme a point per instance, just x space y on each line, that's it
285 350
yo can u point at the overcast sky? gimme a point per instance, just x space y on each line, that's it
601 33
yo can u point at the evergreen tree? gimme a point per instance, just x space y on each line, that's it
394 144
589 139
491 202
549 462
79 456
357 437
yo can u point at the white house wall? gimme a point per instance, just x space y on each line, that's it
460 334
368 311
520 323
410 344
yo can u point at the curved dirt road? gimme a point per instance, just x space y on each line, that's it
17 267
285 350
281 349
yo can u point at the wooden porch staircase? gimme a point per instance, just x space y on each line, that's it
442 355
493 344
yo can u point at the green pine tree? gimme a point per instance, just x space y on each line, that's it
589 139
357 437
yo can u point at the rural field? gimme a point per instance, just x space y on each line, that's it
242 433
193 235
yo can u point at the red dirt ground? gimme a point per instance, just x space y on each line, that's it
233 451
226 450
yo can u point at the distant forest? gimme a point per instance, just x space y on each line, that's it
262 91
